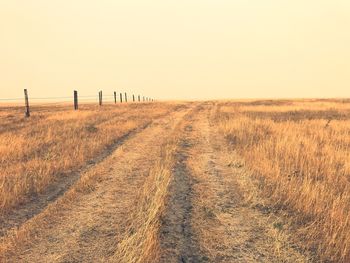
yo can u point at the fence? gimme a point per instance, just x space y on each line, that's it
75 99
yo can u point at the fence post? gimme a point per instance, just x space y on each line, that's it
143 99
133 97
139 98
27 113
126 98
115 97
75 100
100 98
121 98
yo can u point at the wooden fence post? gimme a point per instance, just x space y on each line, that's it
75 100
100 98
139 98
133 97
121 98
115 97
126 98
27 113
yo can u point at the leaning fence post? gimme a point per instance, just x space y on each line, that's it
115 97
27 113
75 100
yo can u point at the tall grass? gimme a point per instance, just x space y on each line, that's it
302 157
56 142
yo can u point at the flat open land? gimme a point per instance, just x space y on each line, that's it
213 181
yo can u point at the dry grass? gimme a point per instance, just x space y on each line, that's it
123 166
300 152
58 141
141 242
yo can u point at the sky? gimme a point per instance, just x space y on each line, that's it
176 49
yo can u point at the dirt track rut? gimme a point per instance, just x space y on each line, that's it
178 242
38 203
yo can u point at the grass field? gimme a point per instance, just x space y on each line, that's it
57 142
299 152
217 181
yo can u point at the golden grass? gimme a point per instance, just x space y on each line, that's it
57 141
144 227
300 152
141 243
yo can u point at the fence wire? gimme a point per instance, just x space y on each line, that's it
107 99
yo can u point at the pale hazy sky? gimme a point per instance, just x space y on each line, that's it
173 49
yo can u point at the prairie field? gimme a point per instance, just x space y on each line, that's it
213 181
300 154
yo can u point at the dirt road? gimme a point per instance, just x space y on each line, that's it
85 230
206 218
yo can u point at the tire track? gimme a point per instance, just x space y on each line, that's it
178 240
38 202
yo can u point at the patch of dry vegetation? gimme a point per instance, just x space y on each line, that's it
300 152
141 242
139 239
57 141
